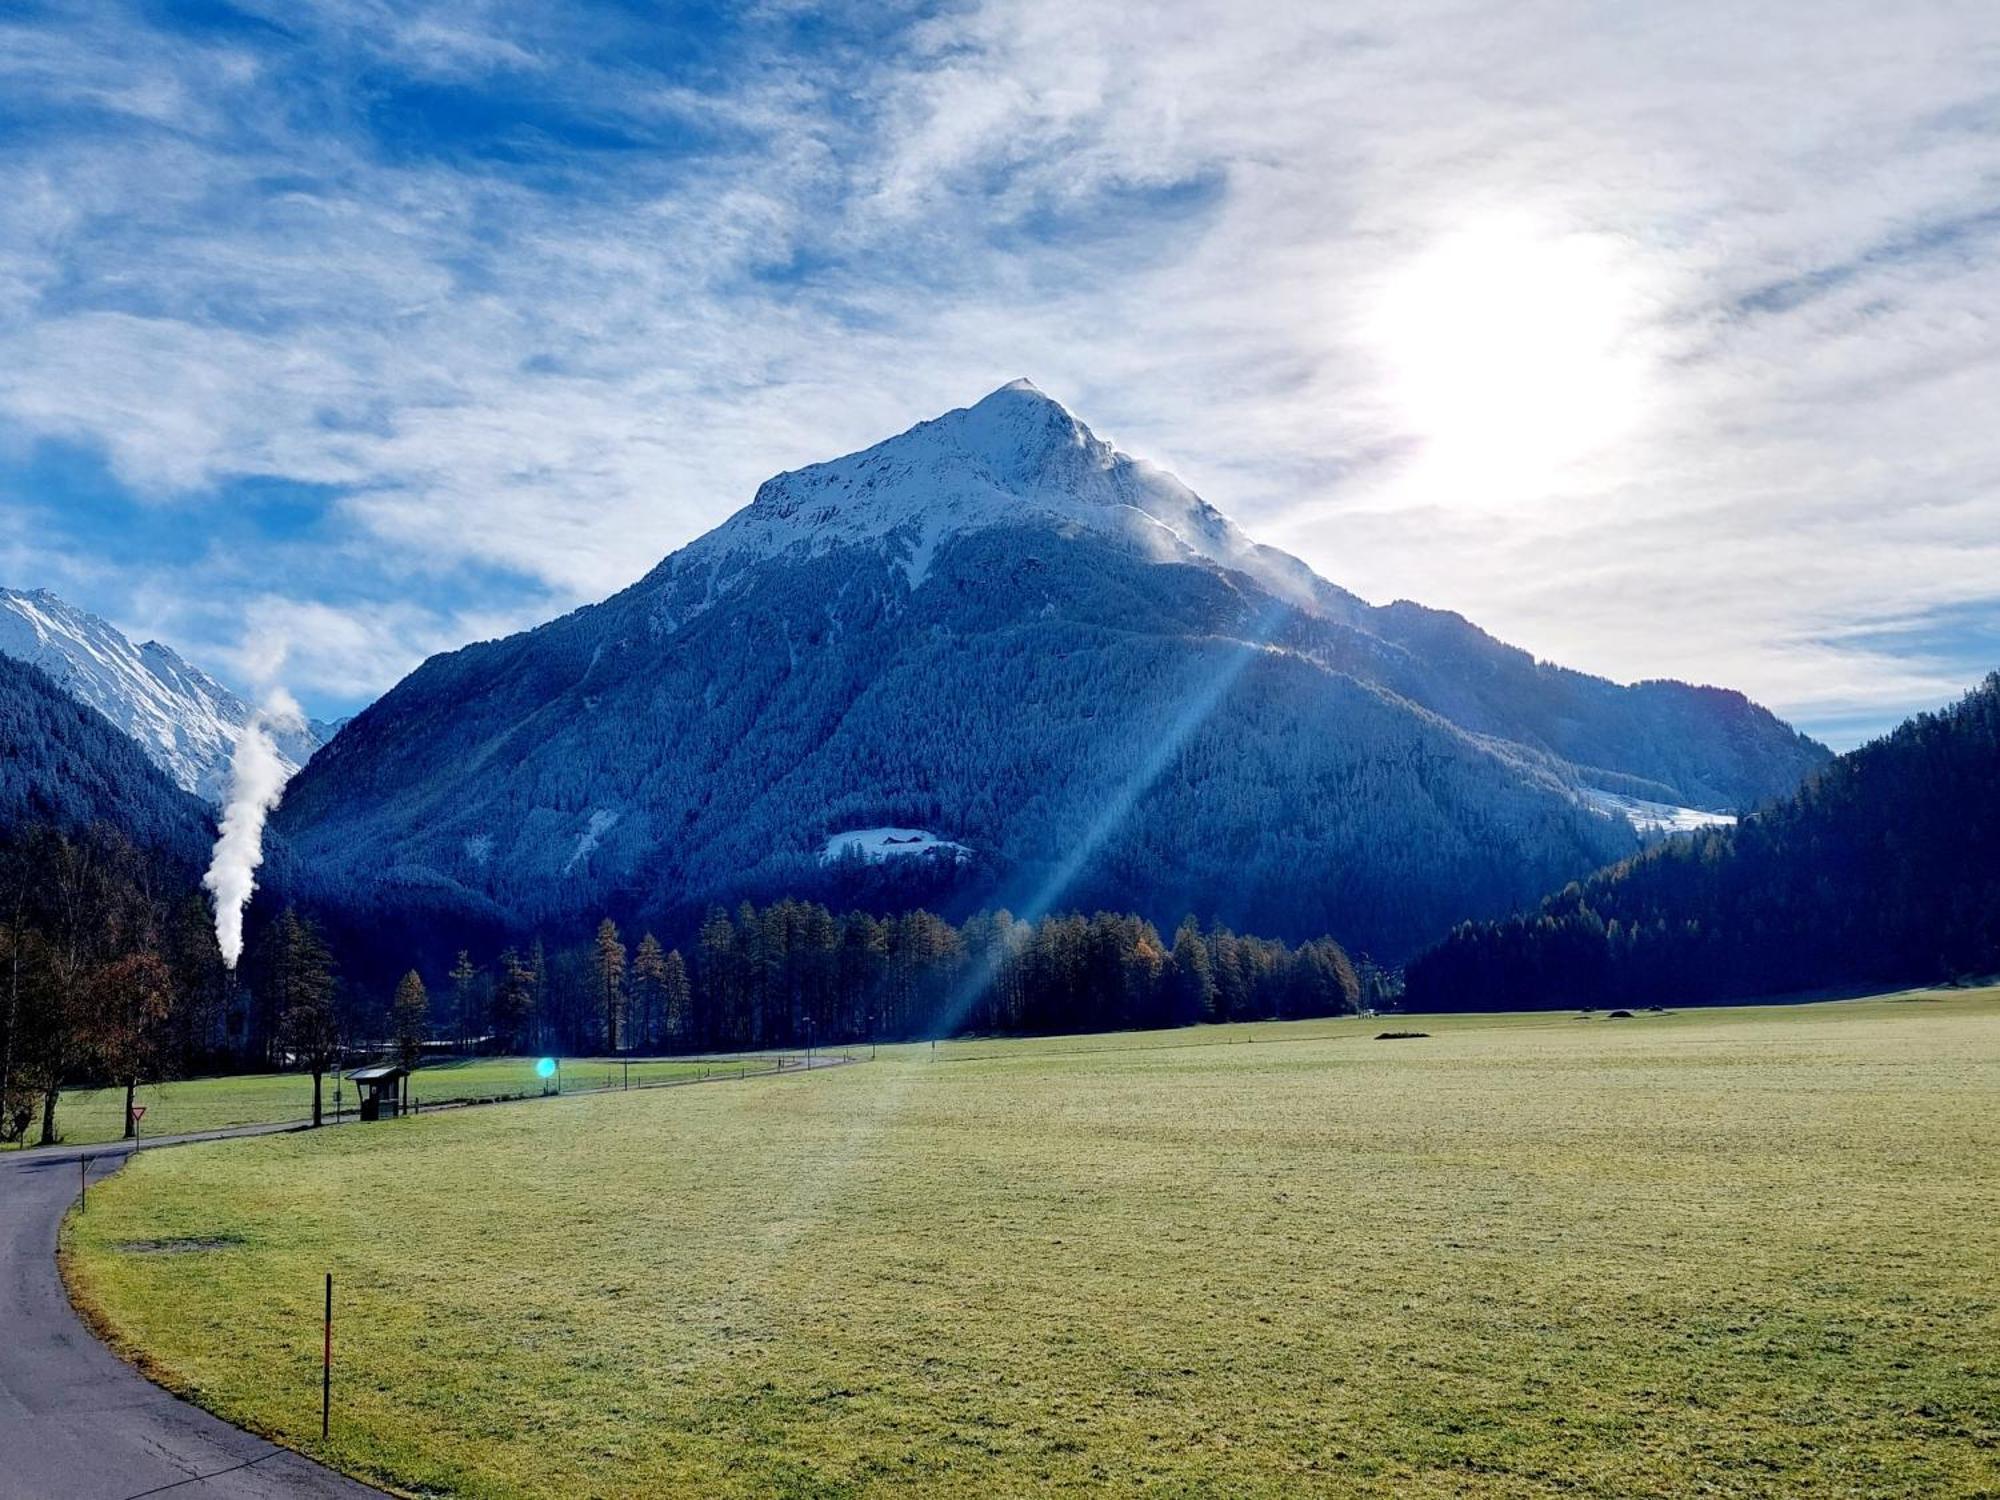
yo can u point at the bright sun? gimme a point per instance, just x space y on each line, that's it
1511 358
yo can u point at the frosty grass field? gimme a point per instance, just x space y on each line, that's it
1729 1252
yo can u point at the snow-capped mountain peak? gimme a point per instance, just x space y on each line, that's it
1025 439
1016 455
185 721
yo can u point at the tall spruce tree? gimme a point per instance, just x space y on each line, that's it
464 982
1193 976
677 999
649 982
513 1001
608 961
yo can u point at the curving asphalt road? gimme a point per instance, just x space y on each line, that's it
76 1422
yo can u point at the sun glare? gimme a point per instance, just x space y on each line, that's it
1510 358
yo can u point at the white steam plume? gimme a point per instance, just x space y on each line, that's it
257 776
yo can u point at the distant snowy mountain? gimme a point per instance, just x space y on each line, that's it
183 719
1071 680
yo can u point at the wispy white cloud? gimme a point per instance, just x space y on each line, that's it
528 363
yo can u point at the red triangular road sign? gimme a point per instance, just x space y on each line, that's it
138 1113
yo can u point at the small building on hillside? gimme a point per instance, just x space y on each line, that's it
381 1088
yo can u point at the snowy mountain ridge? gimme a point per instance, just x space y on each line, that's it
185 721
1016 456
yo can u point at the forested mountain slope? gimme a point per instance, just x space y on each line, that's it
1884 868
63 764
998 631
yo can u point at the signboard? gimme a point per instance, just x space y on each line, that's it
138 1113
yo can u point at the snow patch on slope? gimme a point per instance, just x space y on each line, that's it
601 821
1653 817
185 721
878 844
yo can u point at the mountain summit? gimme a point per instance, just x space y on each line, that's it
992 660
1014 457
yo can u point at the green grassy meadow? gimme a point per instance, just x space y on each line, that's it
1729 1252
88 1116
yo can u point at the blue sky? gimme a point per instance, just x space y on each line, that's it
1658 340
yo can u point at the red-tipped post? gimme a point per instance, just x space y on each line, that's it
326 1364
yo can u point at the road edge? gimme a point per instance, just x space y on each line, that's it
97 1323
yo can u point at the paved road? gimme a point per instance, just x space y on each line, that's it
76 1422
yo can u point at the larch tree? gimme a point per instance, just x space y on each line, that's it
410 1018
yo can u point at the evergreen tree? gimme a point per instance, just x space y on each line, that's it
1232 979
299 973
676 998
513 1001
464 979
608 956
1321 982
649 981
719 975
538 992
1193 976
201 1018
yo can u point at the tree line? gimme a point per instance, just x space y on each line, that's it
109 977
1883 869
794 972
